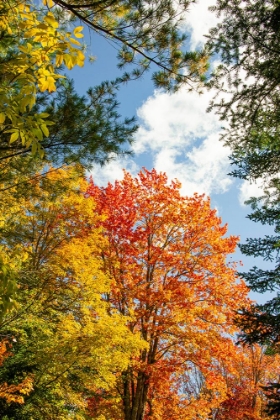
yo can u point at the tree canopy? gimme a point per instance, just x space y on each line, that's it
116 303
247 39
147 35
167 260
64 339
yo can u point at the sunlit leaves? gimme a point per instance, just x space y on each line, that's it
167 258
68 334
13 393
30 62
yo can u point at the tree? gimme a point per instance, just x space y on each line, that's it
262 323
247 41
13 393
41 111
65 337
250 369
167 260
147 35
85 129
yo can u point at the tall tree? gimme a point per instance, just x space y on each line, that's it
262 324
85 129
247 41
37 41
250 369
167 260
64 337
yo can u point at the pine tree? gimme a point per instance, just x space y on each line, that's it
247 41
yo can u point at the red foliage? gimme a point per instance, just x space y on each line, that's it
167 260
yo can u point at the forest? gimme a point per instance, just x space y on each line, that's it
124 301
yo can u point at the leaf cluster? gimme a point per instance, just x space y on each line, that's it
148 36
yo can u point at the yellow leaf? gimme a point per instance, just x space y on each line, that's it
34 148
68 60
45 130
38 133
77 32
14 136
74 41
2 117
48 3
22 135
58 60
80 59
50 19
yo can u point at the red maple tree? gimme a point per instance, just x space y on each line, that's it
167 261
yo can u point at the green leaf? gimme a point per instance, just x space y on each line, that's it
44 115
34 148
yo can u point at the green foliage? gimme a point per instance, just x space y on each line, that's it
32 48
247 40
8 286
85 129
147 35
262 323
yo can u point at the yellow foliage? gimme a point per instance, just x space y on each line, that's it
30 64
75 333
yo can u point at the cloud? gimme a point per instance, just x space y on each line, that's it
257 188
250 189
203 169
176 134
183 141
198 20
179 118
179 137
113 170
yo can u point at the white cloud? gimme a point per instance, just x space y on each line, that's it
183 141
198 20
113 171
176 133
168 119
179 138
250 189
203 170
256 188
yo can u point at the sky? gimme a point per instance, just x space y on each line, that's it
176 135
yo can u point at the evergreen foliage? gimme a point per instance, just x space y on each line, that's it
147 35
247 39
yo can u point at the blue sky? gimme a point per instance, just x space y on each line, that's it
176 135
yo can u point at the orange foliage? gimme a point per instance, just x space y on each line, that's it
13 393
167 260
250 369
